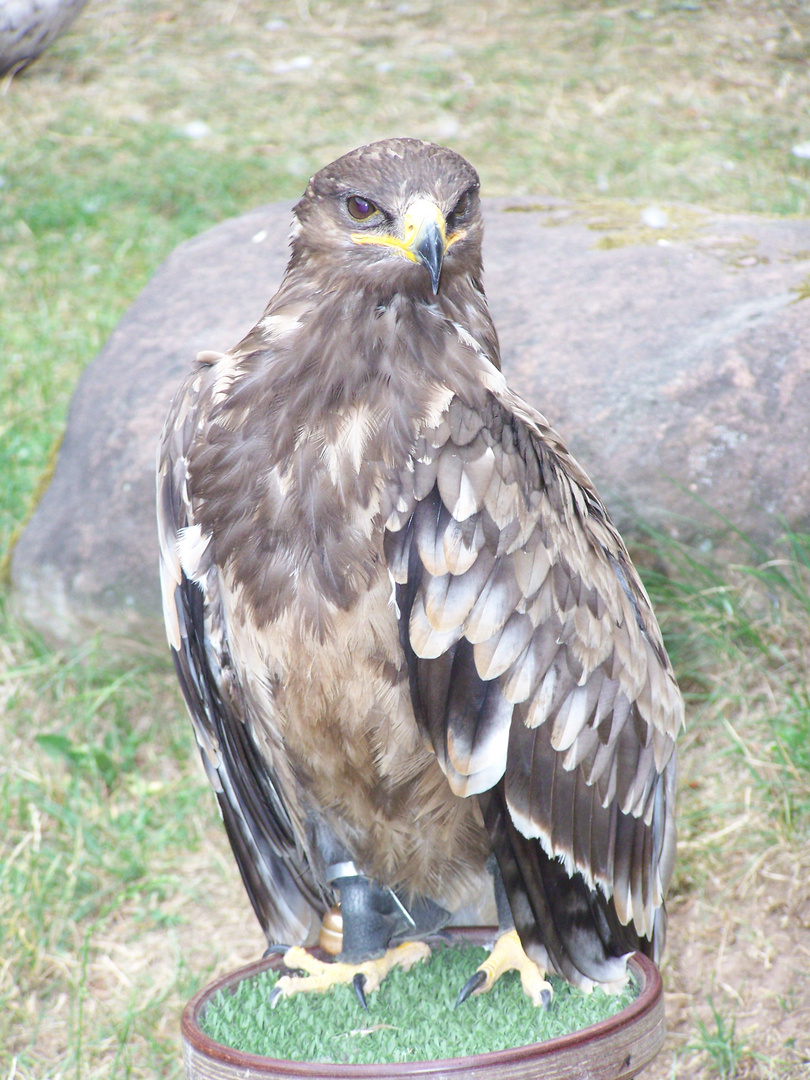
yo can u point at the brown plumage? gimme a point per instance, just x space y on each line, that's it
408 633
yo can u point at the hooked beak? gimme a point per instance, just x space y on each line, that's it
429 247
424 237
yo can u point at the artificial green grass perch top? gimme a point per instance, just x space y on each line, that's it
423 673
411 1017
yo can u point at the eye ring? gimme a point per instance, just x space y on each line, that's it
360 209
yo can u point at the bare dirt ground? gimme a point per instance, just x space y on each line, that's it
748 947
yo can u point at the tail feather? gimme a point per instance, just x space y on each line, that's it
556 914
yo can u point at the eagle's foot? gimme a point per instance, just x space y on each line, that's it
364 977
507 955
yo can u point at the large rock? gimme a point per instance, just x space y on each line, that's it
672 349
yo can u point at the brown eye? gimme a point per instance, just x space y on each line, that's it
462 206
360 209
459 212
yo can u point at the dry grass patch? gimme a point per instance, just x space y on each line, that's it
737 969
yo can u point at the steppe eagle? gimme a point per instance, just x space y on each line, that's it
420 665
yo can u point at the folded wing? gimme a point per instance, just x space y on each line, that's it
538 673
257 819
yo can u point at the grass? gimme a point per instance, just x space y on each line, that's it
401 1023
719 1044
118 898
756 617
739 639
94 808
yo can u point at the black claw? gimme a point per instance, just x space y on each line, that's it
275 995
545 999
359 982
475 981
275 950
443 935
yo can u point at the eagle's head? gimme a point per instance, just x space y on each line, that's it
401 213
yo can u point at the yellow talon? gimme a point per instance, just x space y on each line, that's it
508 955
322 976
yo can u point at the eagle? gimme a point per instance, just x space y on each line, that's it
423 673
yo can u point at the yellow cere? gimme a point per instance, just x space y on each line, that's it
421 214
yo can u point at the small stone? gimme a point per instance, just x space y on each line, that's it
298 63
445 128
196 129
296 165
654 217
801 150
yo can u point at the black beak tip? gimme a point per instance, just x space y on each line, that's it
431 252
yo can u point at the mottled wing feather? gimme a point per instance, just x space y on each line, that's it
538 673
273 868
